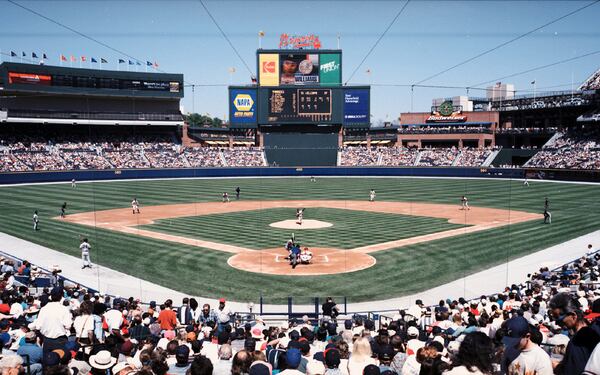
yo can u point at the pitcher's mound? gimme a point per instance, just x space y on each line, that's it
306 224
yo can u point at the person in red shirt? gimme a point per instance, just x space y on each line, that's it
167 318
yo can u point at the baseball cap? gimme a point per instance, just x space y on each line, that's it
412 331
371 370
257 333
332 358
4 338
386 353
51 359
516 328
221 300
259 368
294 335
293 357
348 324
182 351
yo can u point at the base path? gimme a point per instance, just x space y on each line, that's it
330 261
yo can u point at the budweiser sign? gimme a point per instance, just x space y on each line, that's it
309 41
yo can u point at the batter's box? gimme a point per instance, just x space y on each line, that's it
316 258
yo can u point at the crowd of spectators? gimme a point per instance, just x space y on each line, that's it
401 156
472 157
243 157
359 156
550 324
571 150
592 83
28 153
438 157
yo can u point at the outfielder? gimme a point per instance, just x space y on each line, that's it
372 195
464 203
36 220
526 182
85 253
135 206
73 184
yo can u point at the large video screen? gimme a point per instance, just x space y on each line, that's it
300 105
296 69
356 106
299 69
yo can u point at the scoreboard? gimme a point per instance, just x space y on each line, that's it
301 86
300 105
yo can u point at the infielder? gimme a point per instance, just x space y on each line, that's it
313 179
299 215
464 203
135 206
36 220
225 197
85 253
63 209
237 193
372 195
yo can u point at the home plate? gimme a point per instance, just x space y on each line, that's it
306 224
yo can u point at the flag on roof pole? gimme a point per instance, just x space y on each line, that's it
83 58
23 54
130 62
148 63
155 65
533 82
121 61
13 54
94 60
73 59
44 56
61 59
103 61
33 55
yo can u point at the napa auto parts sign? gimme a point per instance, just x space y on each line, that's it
242 106
309 41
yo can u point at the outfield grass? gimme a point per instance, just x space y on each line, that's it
350 229
205 272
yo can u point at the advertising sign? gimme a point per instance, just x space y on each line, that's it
242 106
446 112
268 69
299 69
310 41
330 70
356 106
29 79
300 105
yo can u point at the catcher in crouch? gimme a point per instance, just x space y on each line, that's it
306 256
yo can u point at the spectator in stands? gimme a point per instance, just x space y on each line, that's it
167 317
566 310
475 356
53 322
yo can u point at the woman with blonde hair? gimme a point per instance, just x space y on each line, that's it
361 357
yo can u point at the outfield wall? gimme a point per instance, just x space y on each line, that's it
93 175
89 175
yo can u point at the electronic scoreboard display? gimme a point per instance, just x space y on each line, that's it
300 105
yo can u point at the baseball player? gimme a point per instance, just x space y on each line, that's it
313 179
237 193
36 220
85 253
526 182
306 256
135 206
225 197
63 209
295 255
372 195
299 215
547 217
464 203
73 184
546 204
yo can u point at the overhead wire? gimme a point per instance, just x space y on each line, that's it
379 40
521 36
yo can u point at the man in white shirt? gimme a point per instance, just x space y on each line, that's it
223 315
54 322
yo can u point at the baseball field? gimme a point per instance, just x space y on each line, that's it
413 237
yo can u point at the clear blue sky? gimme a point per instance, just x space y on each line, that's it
428 37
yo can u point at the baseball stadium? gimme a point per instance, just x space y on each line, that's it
296 208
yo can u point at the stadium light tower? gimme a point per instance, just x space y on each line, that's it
261 35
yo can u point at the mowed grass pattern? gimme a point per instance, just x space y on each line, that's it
350 228
205 272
